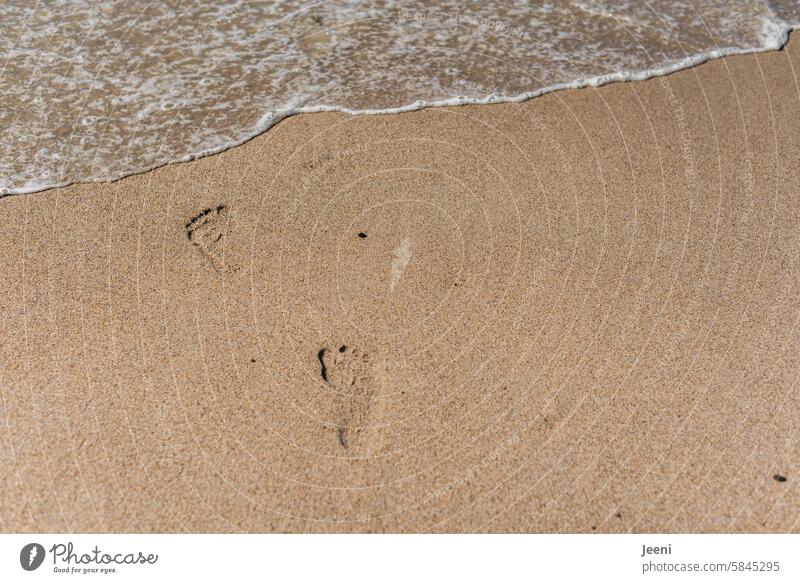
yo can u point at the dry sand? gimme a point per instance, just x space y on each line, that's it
574 314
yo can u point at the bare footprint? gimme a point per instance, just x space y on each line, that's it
348 371
206 231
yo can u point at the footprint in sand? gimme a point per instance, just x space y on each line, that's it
349 372
206 231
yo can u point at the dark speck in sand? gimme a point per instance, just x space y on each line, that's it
362 235
779 478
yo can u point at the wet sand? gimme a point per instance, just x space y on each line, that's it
573 314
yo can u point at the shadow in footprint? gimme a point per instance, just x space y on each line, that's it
348 371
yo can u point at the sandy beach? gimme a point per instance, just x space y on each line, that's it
578 313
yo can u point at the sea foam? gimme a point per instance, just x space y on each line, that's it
98 90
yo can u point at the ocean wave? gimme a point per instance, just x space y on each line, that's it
98 90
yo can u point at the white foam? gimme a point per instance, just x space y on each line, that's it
127 121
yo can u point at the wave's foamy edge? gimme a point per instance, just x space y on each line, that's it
775 41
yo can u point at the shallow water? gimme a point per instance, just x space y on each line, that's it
97 90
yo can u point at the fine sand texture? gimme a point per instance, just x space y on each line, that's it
573 314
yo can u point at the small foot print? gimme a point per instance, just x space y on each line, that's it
207 231
348 371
